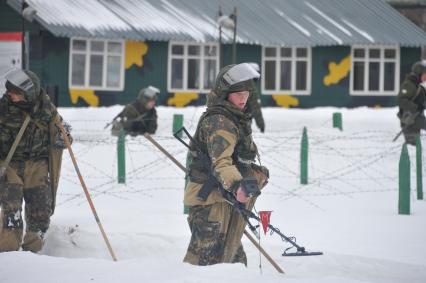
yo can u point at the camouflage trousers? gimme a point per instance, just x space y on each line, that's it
216 231
29 181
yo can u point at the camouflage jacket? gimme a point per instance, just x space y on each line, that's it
136 119
224 134
34 143
410 97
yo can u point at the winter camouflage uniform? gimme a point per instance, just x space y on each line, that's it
254 107
412 102
224 134
135 118
27 176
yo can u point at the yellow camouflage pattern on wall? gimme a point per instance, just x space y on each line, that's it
337 71
181 99
285 100
135 50
87 95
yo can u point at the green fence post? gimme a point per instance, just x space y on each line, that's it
337 120
304 158
404 182
177 123
419 168
121 157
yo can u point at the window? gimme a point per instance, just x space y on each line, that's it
375 70
96 64
192 67
286 69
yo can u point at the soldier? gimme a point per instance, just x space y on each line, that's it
412 102
254 105
140 116
28 175
224 135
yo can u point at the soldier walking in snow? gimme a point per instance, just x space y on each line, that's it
412 102
30 156
140 116
224 135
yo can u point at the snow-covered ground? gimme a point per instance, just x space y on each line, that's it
349 209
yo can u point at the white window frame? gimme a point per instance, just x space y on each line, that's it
293 60
105 54
185 58
381 60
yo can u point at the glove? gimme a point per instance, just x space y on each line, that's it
408 118
59 141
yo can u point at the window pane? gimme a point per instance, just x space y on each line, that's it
113 71
374 53
390 53
210 50
79 45
96 63
285 78
177 49
358 77
270 52
194 73
78 67
301 52
209 73
374 76
359 53
270 75
177 73
389 76
301 73
97 46
193 50
114 47
285 52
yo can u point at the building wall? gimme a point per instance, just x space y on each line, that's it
9 19
415 12
146 64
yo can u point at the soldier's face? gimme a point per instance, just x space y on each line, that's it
423 77
239 99
150 104
14 96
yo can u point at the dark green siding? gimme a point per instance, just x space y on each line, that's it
9 19
322 95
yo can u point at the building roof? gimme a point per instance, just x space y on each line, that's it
261 22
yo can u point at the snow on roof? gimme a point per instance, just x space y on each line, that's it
264 22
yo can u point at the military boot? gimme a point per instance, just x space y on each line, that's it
33 241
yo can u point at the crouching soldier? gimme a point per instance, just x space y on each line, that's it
30 159
412 102
224 136
138 117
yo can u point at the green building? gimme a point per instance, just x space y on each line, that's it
342 53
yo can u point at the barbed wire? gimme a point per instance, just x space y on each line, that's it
355 165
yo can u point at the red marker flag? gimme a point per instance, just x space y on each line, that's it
265 216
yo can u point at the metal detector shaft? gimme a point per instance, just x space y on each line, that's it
86 191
